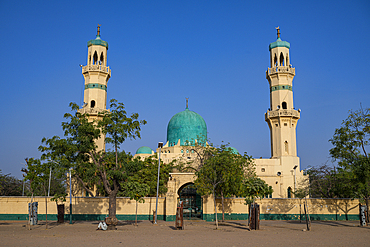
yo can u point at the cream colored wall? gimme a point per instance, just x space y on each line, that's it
99 49
125 206
284 165
85 205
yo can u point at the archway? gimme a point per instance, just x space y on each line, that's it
289 192
192 202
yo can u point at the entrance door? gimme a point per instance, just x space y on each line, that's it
192 202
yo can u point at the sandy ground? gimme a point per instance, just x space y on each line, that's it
196 233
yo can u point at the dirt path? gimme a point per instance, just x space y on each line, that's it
199 233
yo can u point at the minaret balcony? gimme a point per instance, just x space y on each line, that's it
282 113
281 69
92 111
96 67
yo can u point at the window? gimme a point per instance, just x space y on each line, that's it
263 170
289 192
102 58
284 104
92 104
95 58
281 59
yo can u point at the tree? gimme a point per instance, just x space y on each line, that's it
329 182
78 150
38 174
144 171
10 185
351 142
136 191
254 188
221 172
240 168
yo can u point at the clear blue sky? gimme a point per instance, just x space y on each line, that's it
214 52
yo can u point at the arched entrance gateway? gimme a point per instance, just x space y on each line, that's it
192 202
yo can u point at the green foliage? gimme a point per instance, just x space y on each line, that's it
146 172
117 126
10 186
351 142
78 150
221 173
254 188
136 191
58 198
330 182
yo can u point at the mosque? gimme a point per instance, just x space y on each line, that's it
186 127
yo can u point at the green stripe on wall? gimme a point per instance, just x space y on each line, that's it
206 217
281 87
96 86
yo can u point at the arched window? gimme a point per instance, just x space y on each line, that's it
289 192
286 147
92 104
287 60
281 59
102 58
95 58
275 61
284 105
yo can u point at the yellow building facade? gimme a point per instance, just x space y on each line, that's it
282 170
188 129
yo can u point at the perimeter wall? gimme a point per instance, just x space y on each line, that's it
87 208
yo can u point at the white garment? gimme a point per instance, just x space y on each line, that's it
103 226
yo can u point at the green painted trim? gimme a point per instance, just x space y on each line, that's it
206 217
281 87
14 216
312 217
279 43
170 217
96 86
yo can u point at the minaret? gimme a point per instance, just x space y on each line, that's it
96 74
281 117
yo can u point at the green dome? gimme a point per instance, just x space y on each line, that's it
233 150
186 126
279 43
144 150
97 41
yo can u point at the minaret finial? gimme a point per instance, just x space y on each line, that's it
278 32
187 103
98 30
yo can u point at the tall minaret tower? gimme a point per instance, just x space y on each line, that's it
281 117
96 74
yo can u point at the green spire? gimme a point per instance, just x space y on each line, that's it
97 40
279 42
